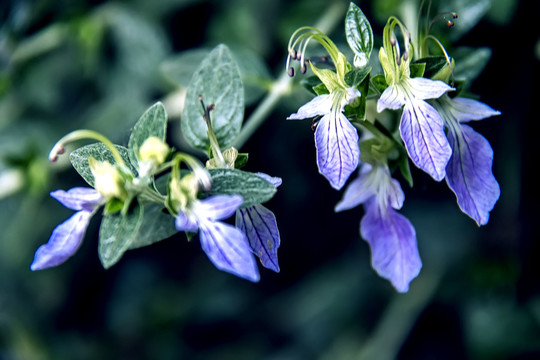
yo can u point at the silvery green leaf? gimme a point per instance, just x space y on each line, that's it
152 123
470 62
117 233
100 152
218 81
252 188
156 226
359 35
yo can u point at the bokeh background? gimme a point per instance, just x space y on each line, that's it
72 64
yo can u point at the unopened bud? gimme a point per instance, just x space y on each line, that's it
154 149
108 181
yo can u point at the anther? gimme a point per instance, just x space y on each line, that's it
293 54
290 71
450 23
405 56
58 149
454 15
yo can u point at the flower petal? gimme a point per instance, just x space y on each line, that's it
338 152
422 131
392 238
78 198
467 109
274 180
259 225
319 105
218 207
423 88
184 222
228 249
469 174
359 190
63 243
392 98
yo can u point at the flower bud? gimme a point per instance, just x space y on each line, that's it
183 191
108 181
154 149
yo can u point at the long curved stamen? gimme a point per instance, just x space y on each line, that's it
447 57
59 147
300 40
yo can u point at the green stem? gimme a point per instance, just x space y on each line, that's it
282 86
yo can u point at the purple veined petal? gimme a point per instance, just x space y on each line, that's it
319 105
422 131
338 152
79 198
422 88
395 194
260 226
469 174
465 110
393 98
227 248
359 190
276 181
63 243
392 239
218 207
184 222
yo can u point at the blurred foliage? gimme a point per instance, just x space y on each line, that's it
100 64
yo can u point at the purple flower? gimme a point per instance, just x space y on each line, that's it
336 139
67 237
225 245
391 236
469 172
421 127
260 227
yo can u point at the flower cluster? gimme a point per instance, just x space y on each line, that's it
141 206
419 88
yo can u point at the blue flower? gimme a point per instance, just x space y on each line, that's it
336 139
225 245
260 227
469 172
391 236
421 126
67 237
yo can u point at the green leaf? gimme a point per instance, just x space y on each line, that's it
417 70
117 233
253 188
359 35
100 152
357 76
179 69
152 123
241 160
156 225
470 62
218 81
379 82
433 64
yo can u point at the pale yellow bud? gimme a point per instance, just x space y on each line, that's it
153 149
183 191
108 181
